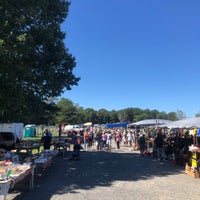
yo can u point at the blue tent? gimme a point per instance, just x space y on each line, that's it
124 124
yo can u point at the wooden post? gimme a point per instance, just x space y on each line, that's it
60 130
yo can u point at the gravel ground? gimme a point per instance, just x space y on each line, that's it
116 175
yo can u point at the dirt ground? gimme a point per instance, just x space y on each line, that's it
116 175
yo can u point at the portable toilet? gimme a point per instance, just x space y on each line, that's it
30 130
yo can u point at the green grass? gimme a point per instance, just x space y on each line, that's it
37 139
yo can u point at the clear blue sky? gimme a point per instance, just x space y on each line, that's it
135 53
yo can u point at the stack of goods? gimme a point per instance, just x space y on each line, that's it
11 171
193 169
45 159
45 156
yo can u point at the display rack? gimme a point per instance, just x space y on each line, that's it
193 169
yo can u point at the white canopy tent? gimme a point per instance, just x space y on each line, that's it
184 123
150 122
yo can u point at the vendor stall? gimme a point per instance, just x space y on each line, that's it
44 160
28 147
62 144
12 174
193 168
43 163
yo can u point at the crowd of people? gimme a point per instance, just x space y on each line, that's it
154 142
159 143
105 139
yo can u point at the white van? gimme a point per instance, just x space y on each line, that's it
75 127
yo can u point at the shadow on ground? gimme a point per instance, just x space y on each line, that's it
92 170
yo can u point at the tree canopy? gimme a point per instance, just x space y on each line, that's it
35 65
70 113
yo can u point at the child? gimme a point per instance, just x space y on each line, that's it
76 151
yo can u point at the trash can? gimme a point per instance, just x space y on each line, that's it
30 131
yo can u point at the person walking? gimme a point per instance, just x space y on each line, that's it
104 139
86 140
124 137
109 140
118 139
142 143
98 139
159 146
130 139
90 139
46 139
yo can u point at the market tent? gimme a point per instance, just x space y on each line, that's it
184 123
149 122
124 124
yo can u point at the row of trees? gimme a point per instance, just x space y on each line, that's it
68 112
65 111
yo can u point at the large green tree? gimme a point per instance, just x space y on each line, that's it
91 115
67 112
35 65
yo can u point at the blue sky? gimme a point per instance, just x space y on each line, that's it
135 53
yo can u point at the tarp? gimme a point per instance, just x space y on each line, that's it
184 123
149 122
124 124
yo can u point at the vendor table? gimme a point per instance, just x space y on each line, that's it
12 180
62 146
42 166
45 160
28 148
29 172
